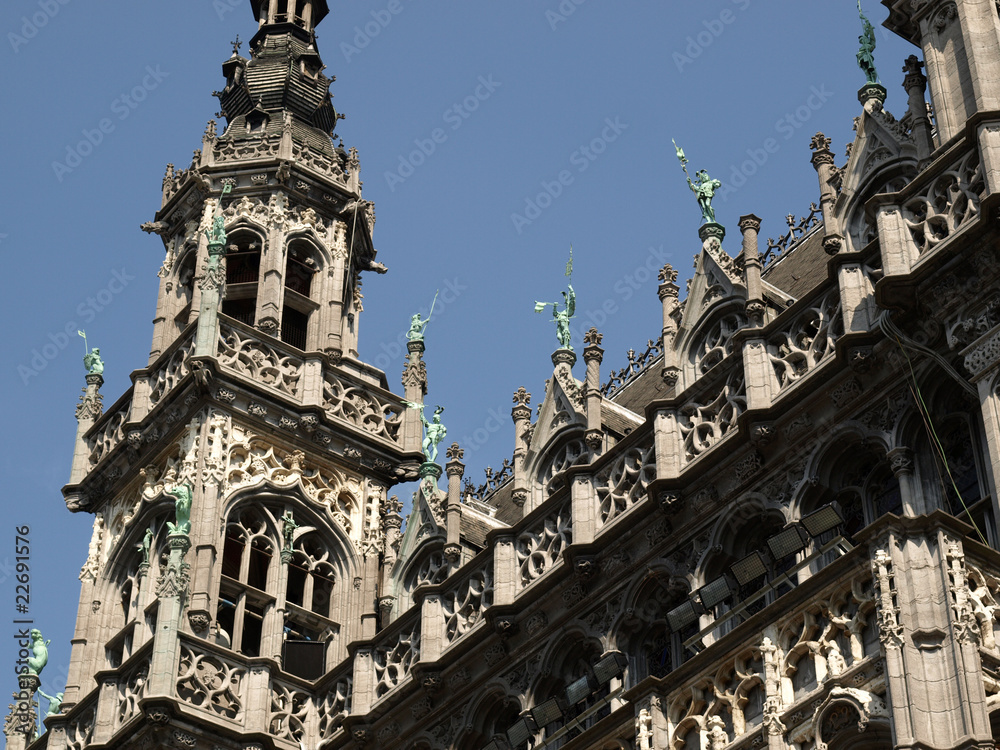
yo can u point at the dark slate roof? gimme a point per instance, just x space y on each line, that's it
507 511
800 269
474 530
647 386
284 74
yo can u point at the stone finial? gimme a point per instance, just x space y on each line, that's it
210 130
822 155
522 397
667 274
592 337
455 453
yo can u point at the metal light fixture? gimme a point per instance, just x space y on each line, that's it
716 591
546 713
610 666
499 743
787 542
579 690
683 615
822 520
522 731
750 568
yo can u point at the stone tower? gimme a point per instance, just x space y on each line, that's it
254 417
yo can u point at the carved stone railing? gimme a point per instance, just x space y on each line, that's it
108 432
379 413
290 711
540 546
711 414
312 159
211 682
494 481
260 147
333 704
243 350
777 687
808 340
623 483
132 681
167 374
395 651
796 231
83 720
948 201
464 604
637 364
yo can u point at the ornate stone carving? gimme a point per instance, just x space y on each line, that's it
890 631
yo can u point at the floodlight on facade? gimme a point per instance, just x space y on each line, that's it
610 666
522 731
579 690
822 520
750 568
716 591
547 712
499 743
787 542
682 616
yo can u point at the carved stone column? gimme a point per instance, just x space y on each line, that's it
455 470
822 161
521 414
172 591
761 381
332 313
901 463
213 288
505 570
898 250
432 625
415 388
774 729
668 292
750 226
392 522
584 507
668 444
88 411
929 642
915 85
857 300
593 355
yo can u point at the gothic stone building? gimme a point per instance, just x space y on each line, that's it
776 528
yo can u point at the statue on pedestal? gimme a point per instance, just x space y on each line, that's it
866 60
703 187
434 431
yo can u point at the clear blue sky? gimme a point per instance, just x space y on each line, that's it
720 76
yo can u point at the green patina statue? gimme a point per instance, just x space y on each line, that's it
39 652
434 431
562 317
93 362
182 509
55 702
217 234
146 545
417 324
288 527
866 60
702 186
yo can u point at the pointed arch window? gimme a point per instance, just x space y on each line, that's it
242 277
244 596
299 306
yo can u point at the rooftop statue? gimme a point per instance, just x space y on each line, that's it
182 509
39 652
702 186
55 702
91 357
417 325
217 234
563 317
434 431
866 60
